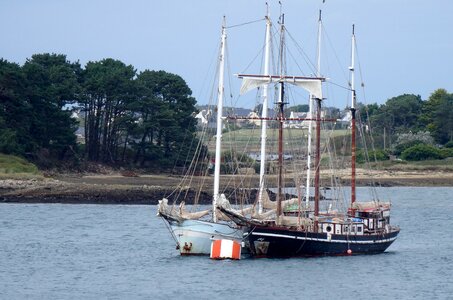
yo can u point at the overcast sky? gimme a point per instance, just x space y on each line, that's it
405 46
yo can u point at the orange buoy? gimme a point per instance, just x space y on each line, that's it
221 249
349 251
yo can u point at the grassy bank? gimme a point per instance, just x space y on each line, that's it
442 165
13 167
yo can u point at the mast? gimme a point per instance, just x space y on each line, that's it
281 105
353 113
310 111
311 84
264 114
218 145
318 159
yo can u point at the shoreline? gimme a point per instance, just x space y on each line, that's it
148 189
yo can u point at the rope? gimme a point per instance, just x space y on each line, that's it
246 23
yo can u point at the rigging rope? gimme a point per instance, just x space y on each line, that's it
246 23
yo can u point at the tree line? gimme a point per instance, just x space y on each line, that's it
411 128
145 119
409 113
127 117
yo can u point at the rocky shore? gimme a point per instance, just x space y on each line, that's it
148 189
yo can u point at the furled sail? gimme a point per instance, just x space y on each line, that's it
180 214
310 84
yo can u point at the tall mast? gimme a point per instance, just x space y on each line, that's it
281 105
353 113
318 158
218 144
264 113
310 111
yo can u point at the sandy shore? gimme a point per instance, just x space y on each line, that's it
148 189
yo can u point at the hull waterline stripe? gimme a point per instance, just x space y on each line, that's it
322 240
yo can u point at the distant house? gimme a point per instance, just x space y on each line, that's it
254 118
295 121
208 116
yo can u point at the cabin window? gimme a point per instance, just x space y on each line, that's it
353 229
328 228
359 228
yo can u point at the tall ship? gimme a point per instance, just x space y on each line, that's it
296 225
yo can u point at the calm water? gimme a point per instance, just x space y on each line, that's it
54 251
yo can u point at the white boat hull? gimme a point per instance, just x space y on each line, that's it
194 237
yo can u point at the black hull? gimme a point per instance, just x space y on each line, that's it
282 242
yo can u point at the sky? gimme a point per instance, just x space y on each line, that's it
404 46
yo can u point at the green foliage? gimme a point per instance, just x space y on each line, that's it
32 118
299 108
15 111
398 114
107 88
149 113
438 116
446 152
162 119
8 142
401 147
449 144
51 83
232 156
375 155
366 111
421 152
233 160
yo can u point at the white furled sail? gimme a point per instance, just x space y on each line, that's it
311 84
218 144
264 115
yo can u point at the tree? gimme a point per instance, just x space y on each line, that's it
299 108
437 116
399 114
15 111
421 152
108 87
51 83
367 111
164 110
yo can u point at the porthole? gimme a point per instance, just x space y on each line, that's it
328 228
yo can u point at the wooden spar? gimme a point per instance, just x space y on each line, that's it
284 119
353 155
281 105
317 160
353 129
310 127
280 77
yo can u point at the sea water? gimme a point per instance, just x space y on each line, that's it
64 251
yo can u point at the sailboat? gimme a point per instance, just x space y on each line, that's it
299 229
193 232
